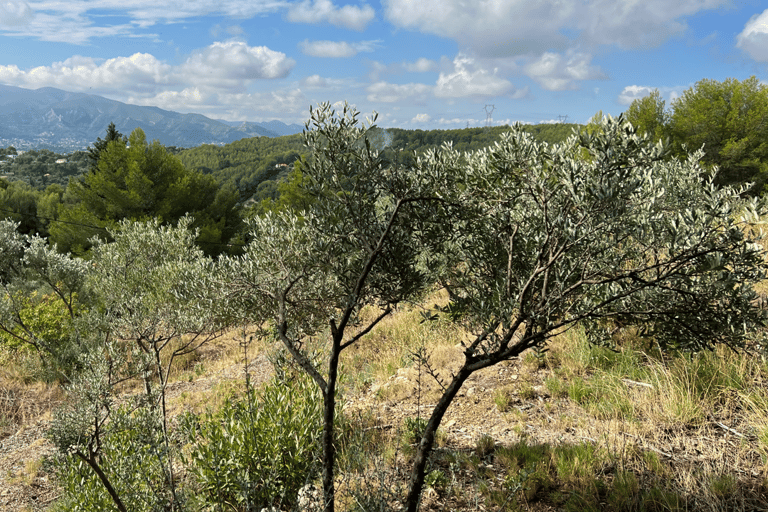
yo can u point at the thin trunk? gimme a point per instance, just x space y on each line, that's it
416 483
329 410
91 461
169 478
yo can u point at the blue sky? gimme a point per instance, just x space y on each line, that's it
418 63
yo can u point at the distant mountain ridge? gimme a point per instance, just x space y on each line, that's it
67 121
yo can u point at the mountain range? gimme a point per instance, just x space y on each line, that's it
62 121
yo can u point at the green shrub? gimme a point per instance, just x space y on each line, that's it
258 451
132 458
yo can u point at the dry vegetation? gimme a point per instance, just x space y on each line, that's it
574 428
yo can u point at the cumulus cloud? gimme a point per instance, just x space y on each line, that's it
469 79
504 28
233 63
390 93
631 93
140 71
336 49
558 72
14 13
318 11
421 118
228 67
754 38
634 92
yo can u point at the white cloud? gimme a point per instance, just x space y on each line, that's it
317 11
14 13
469 79
507 28
634 92
232 64
140 71
226 67
77 21
422 65
289 105
421 118
314 82
754 38
464 123
391 93
336 49
631 93
558 72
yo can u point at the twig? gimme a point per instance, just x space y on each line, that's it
378 427
650 446
729 429
636 383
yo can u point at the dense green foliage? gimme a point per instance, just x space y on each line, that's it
649 116
247 163
137 180
728 120
41 168
257 451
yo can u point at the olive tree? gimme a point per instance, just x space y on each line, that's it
309 273
599 232
42 293
156 301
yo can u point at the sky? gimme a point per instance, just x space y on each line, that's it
420 64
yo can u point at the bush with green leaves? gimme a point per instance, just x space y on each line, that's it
130 460
43 295
257 451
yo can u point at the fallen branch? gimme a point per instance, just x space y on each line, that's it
636 383
729 429
650 446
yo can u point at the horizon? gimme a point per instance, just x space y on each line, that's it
424 65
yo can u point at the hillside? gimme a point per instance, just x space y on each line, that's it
591 429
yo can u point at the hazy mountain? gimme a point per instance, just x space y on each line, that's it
65 121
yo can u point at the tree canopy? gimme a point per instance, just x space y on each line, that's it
729 120
137 180
649 115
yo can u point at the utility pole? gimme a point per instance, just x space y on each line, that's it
562 119
489 115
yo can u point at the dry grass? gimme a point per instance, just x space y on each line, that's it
23 400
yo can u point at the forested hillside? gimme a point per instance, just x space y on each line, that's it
253 165
247 163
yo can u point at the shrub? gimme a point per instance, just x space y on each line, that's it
258 451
